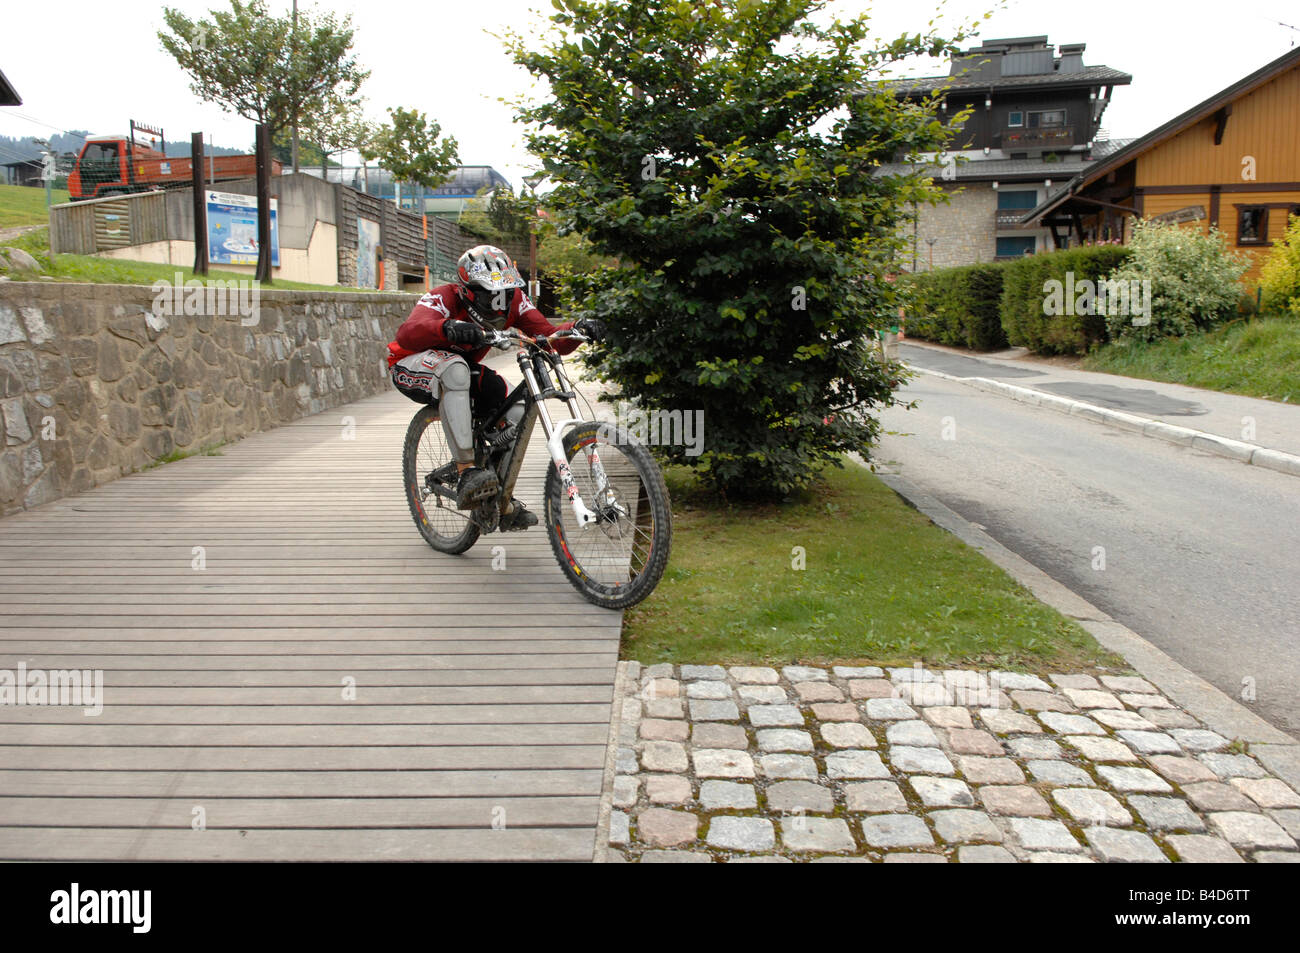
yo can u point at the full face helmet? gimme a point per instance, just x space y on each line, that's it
488 278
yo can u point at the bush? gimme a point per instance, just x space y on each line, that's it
1280 278
1195 281
959 306
1067 323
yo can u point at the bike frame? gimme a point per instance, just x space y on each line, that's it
535 359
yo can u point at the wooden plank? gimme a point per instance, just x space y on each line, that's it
263 669
83 758
293 784
149 844
115 678
255 736
336 813
443 695
339 714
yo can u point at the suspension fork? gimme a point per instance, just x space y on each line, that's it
593 458
554 431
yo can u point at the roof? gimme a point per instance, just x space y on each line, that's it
8 95
1184 120
1088 76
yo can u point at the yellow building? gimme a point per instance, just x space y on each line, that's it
1232 161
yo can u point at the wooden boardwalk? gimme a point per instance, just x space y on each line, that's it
482 703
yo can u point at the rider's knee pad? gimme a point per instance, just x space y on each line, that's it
455 375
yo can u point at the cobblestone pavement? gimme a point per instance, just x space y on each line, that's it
753 764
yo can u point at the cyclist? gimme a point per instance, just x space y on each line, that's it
437 353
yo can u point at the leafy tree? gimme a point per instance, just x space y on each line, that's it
410 148
282 149
338 127
724 151
497 214
255 65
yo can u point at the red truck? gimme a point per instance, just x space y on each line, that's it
113 165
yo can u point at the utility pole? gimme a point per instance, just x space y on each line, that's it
293 47
199 188
263 140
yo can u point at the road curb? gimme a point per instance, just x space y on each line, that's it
600 850
1276 749
1251 453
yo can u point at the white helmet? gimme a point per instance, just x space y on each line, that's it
488 277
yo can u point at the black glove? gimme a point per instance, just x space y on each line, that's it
464 334
593 328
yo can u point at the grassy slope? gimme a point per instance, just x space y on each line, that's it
882 584
24 205
1258 359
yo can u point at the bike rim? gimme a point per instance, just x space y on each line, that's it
614 551
433 459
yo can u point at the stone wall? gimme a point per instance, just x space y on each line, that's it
964 230
95 383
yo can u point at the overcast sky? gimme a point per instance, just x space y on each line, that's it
88 64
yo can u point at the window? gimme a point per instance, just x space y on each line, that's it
1047 119
1015 119
1015 247
1252 225
1022 200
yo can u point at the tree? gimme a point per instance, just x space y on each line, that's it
338 127
282 149
724 151
498 215
257 66
410 148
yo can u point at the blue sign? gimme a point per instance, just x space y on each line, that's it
232 229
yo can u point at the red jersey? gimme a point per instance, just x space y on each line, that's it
422 330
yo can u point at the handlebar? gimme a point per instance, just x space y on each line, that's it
502 340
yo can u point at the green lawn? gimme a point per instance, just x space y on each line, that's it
90 268
1259 358
23 205
882 585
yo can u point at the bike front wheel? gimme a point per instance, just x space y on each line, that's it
429 475
618 560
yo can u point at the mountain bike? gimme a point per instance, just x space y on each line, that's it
605 505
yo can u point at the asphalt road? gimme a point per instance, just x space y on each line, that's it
1201 554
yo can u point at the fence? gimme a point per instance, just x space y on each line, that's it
87 228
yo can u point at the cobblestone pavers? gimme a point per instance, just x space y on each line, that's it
913 765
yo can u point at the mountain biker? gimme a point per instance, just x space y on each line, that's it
437 353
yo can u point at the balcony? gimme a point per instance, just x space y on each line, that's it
1021 139
1009 217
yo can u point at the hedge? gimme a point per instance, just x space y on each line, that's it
958 306
988 306
1024 314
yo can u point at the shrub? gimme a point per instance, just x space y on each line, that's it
1280 278
1195 281
959 306
1067 323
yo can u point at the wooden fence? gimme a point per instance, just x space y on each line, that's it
84 228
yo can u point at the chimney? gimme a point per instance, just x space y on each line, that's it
1071 60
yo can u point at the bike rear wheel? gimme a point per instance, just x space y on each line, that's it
617 561
427 468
